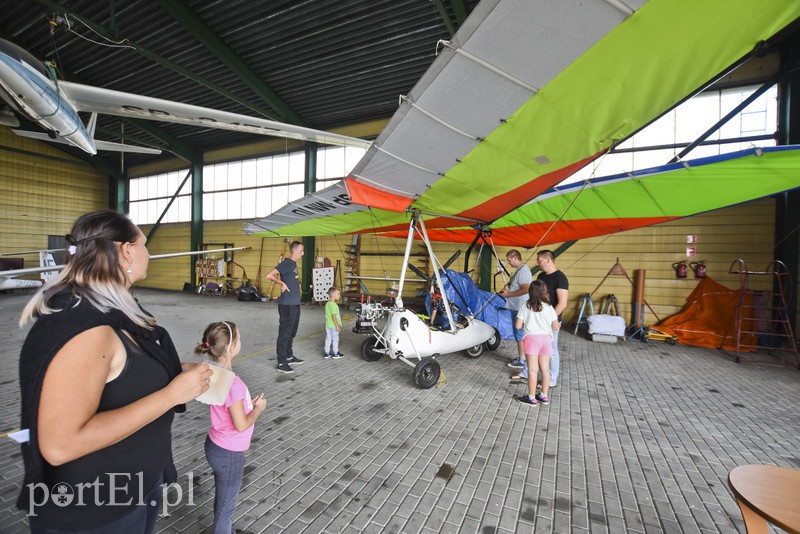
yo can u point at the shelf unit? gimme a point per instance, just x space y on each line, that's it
221 271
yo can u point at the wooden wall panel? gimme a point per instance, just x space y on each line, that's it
41 196
723 236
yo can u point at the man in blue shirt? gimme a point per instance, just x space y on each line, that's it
285 274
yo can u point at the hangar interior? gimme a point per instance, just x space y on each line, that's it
643 438
213 54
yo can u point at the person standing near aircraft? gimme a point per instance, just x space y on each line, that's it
539 320
558 290
285 274
99 381
333 325
232 424
516 294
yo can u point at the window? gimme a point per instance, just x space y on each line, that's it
335 163
686 123
233 190
149 196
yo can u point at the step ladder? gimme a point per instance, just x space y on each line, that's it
761 319
587 300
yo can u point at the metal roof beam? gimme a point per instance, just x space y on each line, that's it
113 34
445 17
460 10
175 145
194 25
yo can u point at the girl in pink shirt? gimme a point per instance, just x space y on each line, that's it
231 425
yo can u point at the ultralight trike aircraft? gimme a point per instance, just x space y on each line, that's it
409 337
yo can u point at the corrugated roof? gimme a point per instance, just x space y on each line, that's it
329 63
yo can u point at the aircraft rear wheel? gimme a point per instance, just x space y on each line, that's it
426 373
474 352
494 342
368 351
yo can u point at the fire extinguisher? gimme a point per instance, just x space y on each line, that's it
699 269
681 269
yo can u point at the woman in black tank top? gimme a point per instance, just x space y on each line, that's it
100 381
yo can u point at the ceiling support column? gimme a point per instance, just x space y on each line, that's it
309 243
787 216
196 239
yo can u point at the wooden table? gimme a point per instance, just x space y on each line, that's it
767 493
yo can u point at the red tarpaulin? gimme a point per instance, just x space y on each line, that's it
708 313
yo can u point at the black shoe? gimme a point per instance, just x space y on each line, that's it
284 368
296 361
337 356
524 399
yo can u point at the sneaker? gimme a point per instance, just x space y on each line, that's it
524 399
284 368
337 356
542 398
326 356
295 360
516 364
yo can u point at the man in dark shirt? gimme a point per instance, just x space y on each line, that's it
558 290
285 274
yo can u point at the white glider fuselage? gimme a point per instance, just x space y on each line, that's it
27 88
54 105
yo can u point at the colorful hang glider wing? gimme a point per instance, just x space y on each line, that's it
626 201
528 92
576 211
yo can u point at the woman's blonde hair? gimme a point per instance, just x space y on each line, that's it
93 270
217 339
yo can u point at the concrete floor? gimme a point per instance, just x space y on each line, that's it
638 437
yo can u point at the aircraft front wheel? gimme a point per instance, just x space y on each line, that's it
368 351
426 373
474 352
494 342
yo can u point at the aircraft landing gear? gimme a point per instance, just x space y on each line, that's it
368 351
494 342
426 373
474 352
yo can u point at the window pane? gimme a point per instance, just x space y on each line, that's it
249 173
263 202
248 203
133 189
234 205
280 169
297 161
279 197
264 166
208 207
220 206
234 175
208 178
352 156
221 177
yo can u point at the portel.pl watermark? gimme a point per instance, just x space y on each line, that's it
122 489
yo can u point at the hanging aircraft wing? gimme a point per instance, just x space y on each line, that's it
622 202
8 278
110 102
586 209
528 92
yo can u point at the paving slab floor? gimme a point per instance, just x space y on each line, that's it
638 437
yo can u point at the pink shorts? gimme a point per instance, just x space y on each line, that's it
538 344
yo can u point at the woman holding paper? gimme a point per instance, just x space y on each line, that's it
233 416
99 380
